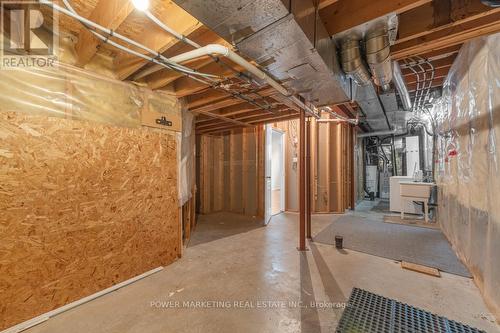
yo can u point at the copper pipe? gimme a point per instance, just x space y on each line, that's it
308 178
302 182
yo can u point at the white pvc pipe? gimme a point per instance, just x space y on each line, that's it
211 49
221 50
112 33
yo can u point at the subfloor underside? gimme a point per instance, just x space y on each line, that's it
239 276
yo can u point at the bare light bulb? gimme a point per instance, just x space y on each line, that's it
141 5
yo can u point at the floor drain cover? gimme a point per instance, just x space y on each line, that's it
371 313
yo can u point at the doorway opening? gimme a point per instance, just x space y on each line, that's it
277 172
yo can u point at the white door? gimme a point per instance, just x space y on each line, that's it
268 151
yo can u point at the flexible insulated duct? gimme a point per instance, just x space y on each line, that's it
378 56
400 84
352 62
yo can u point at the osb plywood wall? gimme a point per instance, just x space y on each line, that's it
83 207
332 154
230 169
468 166
88 195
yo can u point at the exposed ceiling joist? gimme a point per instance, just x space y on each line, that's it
156 38
325 3
205 104
165 77
263 120
438 15
347 14
108 13
447 37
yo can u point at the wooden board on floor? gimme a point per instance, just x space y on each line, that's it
396 219
420 268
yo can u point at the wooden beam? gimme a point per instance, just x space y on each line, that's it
229 111
438 64
201 35
438 74
347 14
156 38
435 83
444 38
187 86
165 77
226 119
442 53
211 101
247 117
256 123
108 13
206 97
438 15
325 3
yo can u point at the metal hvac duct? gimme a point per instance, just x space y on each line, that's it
286 38
378 56
352 62
400 84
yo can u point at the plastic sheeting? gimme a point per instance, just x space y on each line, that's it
467 170
187 157
72 93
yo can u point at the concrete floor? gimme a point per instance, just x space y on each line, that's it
235 259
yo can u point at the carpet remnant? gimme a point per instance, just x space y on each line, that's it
428 247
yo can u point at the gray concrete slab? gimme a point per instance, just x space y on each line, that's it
261 277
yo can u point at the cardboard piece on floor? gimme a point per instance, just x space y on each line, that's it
420 268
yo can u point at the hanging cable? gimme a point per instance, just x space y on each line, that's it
157 59
92 26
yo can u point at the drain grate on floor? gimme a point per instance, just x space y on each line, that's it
371 313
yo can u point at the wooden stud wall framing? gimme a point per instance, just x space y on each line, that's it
230 172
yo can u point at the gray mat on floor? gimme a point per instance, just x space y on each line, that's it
382 206
422 246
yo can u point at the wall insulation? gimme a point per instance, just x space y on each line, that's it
468 170
88 188
231 173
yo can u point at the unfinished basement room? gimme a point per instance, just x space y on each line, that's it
261 166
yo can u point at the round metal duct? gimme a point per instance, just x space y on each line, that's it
378 57
352 62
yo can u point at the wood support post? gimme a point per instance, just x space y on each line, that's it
302 182
308 177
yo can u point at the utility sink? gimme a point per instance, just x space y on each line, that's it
416 189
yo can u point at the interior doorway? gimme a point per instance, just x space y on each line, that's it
274 172
277 172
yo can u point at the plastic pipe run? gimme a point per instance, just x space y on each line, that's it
110 33
216 49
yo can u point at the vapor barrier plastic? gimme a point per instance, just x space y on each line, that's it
73 93
468 126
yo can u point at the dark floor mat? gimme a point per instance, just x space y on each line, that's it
371 313
382 206
422 246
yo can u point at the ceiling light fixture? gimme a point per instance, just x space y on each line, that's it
141 5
